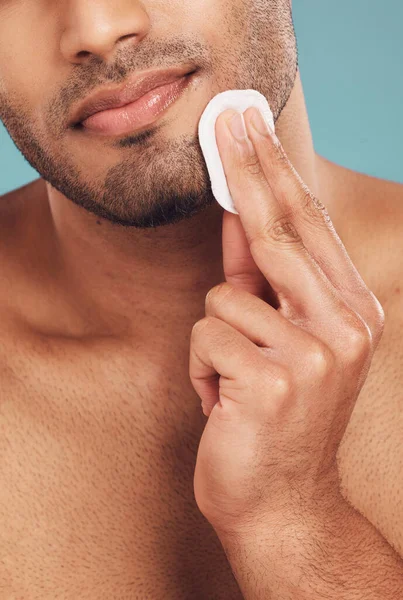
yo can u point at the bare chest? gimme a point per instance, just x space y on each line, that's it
97 457
96 486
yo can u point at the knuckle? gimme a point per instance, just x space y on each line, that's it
281 384
278 230
313 209
357 343
380 323
377 317
252 166
320 360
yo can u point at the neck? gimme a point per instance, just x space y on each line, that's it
164 274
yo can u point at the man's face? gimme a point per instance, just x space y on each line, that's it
54 53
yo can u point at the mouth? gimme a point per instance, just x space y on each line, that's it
134 116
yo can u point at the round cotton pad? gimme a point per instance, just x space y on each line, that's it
239 100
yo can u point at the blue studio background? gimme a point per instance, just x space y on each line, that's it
351 56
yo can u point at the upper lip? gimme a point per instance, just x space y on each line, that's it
134 88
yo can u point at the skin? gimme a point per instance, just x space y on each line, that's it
36 109
279 385
100 290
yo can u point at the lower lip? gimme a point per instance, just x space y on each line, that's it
144 111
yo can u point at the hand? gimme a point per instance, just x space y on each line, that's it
285 347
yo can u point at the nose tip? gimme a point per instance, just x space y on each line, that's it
95 30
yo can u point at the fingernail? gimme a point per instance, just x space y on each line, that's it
237 127
259 123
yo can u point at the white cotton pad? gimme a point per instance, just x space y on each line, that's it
239 100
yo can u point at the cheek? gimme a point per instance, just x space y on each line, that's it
24 54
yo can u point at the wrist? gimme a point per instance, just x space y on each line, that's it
328 549
327 513
313 503
298 545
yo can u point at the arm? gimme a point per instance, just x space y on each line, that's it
278 383
335 553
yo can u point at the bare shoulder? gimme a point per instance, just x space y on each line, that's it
18 209
368 216
12 203
380 215
18 230
370 220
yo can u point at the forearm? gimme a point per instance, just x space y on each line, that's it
335 553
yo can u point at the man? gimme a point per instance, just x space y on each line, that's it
106 263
